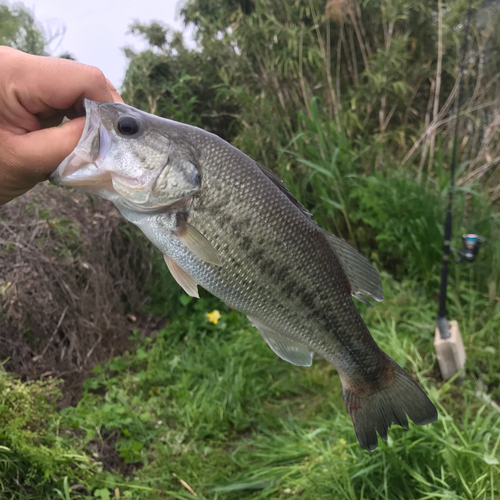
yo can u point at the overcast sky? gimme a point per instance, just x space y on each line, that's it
96 29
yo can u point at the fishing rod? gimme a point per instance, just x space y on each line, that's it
441 317
448 342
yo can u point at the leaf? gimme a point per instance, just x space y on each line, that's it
102 493
333 203
185 299
141 354
491 460
257 485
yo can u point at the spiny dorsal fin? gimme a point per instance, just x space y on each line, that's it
286 348
195 242
362 276
186 282
272 176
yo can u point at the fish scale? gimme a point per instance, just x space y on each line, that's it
229 224
290 239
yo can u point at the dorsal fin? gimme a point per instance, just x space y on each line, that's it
281 185
362 276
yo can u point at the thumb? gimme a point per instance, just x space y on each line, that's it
32 157
40 152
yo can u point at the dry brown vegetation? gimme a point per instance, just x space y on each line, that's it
72 283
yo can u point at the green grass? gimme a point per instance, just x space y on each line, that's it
33 454
381 208
211 407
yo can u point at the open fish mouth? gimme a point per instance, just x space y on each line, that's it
91 166
81 167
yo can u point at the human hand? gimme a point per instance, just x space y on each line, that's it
37 92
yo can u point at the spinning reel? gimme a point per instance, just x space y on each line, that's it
470 245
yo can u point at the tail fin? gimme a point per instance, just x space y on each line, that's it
375 410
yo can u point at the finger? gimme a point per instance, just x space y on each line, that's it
40 152
34 156
58 83
54 117
114 93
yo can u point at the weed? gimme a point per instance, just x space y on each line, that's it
211 407
33 453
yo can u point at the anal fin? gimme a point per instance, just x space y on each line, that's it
187 283
286 348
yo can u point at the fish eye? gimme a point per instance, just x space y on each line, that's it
128 125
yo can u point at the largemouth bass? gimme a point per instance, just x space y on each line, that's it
229 224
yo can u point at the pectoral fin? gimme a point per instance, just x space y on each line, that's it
187 283
362 276
286 348
196 243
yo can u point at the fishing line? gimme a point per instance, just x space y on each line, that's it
441 318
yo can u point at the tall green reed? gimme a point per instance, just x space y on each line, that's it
324 165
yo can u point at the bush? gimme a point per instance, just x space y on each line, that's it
402 222
34 456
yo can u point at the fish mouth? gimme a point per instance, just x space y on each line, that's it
80 168
90 166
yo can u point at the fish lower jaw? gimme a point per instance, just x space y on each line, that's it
77 172
123 204
152 208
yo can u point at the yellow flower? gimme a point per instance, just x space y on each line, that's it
214 316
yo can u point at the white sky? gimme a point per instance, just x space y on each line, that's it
96 29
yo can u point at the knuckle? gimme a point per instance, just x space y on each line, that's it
12 59
97 76
6 51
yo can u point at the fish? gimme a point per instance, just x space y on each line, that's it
229 224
